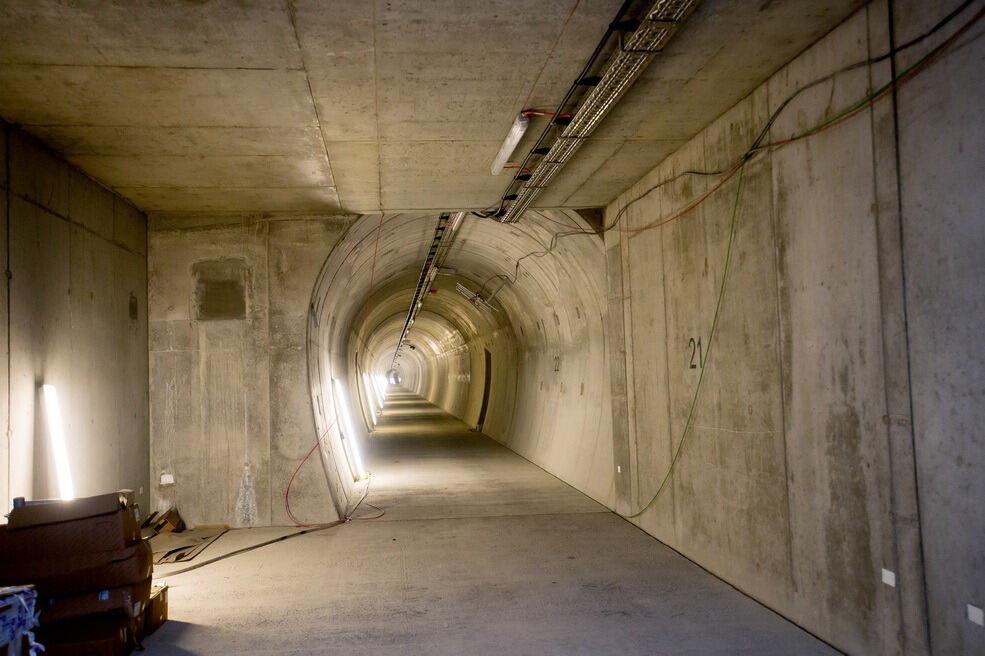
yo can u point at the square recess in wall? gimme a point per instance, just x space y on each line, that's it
220 289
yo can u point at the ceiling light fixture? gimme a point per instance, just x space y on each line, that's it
513 137
648 38
444 236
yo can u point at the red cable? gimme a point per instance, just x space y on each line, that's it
287 492
728 176
547 218
372 280
778 144
550 53
540 112
937 52
369 294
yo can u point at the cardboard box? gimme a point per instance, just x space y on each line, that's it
127 600
103 637
107 532
165 522
94 570
57 510
156 612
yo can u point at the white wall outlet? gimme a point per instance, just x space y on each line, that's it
976 615
618 469
889 578
141 491
167 479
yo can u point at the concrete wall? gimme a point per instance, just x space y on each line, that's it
74 315
941 137
548 396
230 410
557 383
796 483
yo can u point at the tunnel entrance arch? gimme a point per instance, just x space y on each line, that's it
490 364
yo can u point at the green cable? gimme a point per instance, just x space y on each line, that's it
881 90
732 229
711 337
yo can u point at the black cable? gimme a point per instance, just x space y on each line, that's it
756 144
348 518
861 64
609 31
752 150
251 548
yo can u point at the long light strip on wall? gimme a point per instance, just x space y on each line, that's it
444 236
375 384
59 446
380 381
342 403
370 399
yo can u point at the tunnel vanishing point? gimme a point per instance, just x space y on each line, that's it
724 276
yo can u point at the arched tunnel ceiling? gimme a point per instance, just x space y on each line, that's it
378 264
197 108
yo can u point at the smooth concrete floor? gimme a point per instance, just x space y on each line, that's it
479 552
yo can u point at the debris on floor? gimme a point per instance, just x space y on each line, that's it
90 568
158 523
17 621
173 542
180 547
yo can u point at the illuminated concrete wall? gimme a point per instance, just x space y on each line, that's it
74 313
230 411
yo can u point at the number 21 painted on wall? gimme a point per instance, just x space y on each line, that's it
695 346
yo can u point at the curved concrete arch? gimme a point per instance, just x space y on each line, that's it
548 398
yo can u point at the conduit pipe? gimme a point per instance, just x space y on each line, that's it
635 52
444 235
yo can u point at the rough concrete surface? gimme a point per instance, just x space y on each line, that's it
479 552
833 468
548 398
230 416
319 106
797 482
76 319
943 234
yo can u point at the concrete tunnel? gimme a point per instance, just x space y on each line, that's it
548 320
568 327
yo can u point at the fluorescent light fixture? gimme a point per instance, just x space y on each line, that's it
513 137
456 223
370 398
380 381
375 380
56 432
343 405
